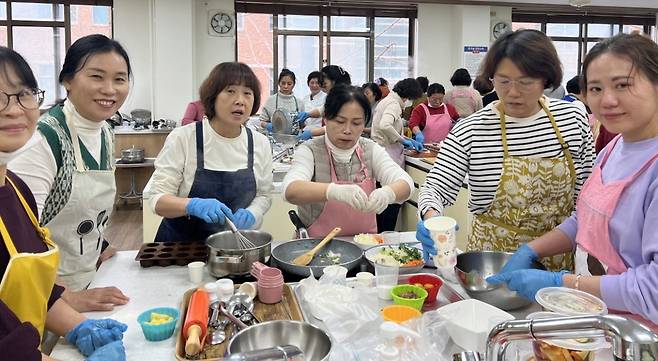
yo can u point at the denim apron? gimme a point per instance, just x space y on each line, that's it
236 189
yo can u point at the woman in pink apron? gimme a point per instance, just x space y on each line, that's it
431 121
332 179
615 227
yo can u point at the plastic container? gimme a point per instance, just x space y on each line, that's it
469 322
570 302
399 313
158 332
431 284
416 303
557 350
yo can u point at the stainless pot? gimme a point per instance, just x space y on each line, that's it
226 258
132 155
141 117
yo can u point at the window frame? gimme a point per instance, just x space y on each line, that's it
10 23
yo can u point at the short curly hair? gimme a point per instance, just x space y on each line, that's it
224 75
408 88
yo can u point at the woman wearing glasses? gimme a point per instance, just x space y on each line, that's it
30 301
526 156
71 170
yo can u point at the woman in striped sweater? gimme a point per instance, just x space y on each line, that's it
526 156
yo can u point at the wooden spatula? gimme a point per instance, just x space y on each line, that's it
307 257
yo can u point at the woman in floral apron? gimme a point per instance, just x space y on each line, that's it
526 156
30 301
615 227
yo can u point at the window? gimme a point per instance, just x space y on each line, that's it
40 34
600 30
101 15
565 30
533 26
304 43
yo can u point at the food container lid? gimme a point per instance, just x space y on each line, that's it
570 302
584 344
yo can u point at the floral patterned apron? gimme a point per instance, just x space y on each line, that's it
533 197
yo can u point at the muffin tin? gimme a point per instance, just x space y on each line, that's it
171 253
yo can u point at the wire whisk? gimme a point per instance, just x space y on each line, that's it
243 242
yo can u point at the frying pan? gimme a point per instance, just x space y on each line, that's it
283 254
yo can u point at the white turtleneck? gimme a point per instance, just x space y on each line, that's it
37 166
340 155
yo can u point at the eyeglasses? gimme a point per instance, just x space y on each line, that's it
506 84
28 99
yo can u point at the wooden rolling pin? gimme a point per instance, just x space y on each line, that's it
194 329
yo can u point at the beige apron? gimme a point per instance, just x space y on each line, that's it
533 197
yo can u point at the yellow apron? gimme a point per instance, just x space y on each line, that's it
29 277
533 197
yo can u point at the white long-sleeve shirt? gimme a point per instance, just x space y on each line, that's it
176 164
37 166
385 170
312 103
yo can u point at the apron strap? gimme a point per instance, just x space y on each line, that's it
42 231
199 145
250 149
503 128
610 148
359 153
565 146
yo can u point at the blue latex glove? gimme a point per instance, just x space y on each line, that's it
301 118
527 282
243 219
305 135
90 335
269 127
113 351
412 144
423 235
210 210
521 259
420 137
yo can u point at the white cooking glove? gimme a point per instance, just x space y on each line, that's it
348 193
379 199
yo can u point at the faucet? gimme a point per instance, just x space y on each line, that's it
631 341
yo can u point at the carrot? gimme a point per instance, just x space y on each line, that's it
414 262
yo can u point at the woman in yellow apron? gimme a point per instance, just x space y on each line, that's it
29 299
526 156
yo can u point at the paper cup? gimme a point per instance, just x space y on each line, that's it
442 231
195 270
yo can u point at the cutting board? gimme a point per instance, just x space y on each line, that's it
287 309
424 154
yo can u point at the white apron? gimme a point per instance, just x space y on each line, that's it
78 227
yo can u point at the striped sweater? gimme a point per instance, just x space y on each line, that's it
474 149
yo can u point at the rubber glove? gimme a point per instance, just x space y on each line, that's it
379 199
423 235
113 351
420 137
527 282
348 193
243 219
521 259
301 118
269 127
210 210
90 335
305 135
412 144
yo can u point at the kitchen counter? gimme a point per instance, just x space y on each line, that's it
122 130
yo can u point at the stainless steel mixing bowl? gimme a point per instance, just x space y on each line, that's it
474 267
314 342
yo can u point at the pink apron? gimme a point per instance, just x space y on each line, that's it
339 214
595 206
437 126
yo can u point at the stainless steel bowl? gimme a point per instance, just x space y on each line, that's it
226 258
474 267
313 341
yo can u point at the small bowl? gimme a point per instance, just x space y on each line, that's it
417 303
399 313
158 332
473 268
426 280
372 251
367 240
